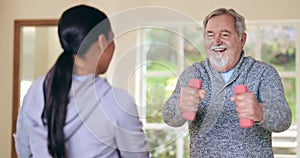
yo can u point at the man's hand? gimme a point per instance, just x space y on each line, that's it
247 106
190 98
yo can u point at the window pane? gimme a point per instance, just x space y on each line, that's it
193 45
162 143
186 138
289 85
161 48
158 90
278 46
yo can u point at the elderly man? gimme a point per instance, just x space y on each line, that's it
216 131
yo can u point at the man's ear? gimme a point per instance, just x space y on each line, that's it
101 42
243 38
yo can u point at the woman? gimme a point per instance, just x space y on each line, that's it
72 112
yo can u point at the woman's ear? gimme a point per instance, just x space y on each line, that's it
101 42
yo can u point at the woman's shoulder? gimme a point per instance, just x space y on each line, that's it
121 98
35 91
33 102
112 95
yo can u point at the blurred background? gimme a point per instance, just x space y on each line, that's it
152 49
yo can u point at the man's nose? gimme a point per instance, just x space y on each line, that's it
217 39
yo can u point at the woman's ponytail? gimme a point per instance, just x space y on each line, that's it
57 85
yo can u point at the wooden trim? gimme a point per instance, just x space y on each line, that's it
18 24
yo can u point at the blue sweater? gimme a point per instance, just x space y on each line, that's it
216 131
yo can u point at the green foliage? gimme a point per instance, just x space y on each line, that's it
158 90
161 65
278 47
289 85
165 147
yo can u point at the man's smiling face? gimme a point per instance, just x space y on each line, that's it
223 44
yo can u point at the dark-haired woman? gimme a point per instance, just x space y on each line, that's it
72 112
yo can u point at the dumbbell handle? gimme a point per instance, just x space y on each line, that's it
194 83
244 122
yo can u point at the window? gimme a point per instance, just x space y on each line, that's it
275 43
166 53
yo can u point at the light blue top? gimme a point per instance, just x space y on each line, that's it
80 78
226 75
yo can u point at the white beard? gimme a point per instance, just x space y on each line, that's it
219 60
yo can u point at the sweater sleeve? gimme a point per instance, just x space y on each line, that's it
171 114
276 111
22 139
21 136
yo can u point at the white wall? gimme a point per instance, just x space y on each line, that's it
43 9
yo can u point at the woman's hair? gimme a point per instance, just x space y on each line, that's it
73 28
239 20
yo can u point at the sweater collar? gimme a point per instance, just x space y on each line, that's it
235 73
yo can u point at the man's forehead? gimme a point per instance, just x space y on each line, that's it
221 20
221 23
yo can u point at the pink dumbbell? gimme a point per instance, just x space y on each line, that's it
244 123
195 83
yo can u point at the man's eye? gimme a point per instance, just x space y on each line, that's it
225 35
210 35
